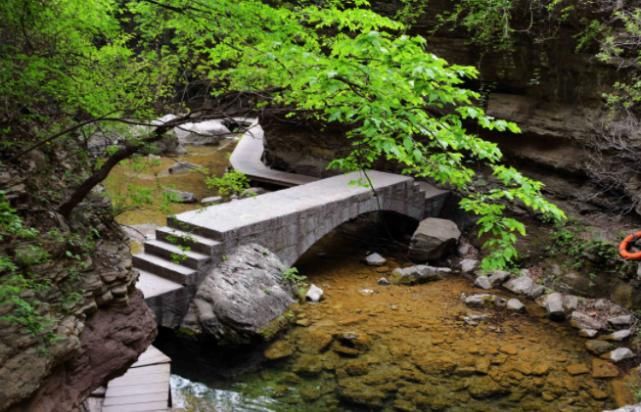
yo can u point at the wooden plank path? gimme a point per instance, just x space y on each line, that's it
143 388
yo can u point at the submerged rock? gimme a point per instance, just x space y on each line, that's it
178 196
417 274
314 293
180 167
484 299
433 239
242 298
375 259
603 369
279 350
598 347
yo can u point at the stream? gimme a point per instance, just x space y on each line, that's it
367 346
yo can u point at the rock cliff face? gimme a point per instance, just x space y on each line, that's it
550 89
89 322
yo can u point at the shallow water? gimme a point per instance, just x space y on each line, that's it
152 173
403 348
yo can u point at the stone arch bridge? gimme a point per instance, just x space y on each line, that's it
287 222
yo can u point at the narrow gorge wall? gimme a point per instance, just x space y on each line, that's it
553 91
94 323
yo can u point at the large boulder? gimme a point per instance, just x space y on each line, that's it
433 238
243 299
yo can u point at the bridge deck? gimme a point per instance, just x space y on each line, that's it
246 212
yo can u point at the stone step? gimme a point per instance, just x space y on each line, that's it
152 285
176 254
165 268
197 243
201 230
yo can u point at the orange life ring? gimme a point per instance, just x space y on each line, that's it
625 244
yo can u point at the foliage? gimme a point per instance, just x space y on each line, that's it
292 275
230 183
620 44
587 252
10 223
331 61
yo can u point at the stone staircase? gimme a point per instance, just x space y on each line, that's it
173 260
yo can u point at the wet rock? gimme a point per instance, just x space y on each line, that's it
483 282
524 285
498 277
433 239
570 302
603 369
366 292
577 369
243 298
209 132
582 320
619 354
553 304
473 318
181 167
621 320
484 300
417 274
485 387
618 335
314 293
177 196
314 341
588 333
307 365
515 305
598 347
468 265
279 350
383 282
212 200
375 259
350 344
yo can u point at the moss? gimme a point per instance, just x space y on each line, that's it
277 325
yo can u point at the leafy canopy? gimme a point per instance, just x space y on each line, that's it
332 61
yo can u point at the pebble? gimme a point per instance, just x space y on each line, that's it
618 335
515 305
620 354
383 281
588 333
366 292
375 259
483 282
314 293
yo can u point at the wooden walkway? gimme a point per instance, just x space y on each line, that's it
143 388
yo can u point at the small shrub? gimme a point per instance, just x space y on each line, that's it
230 183
292 275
